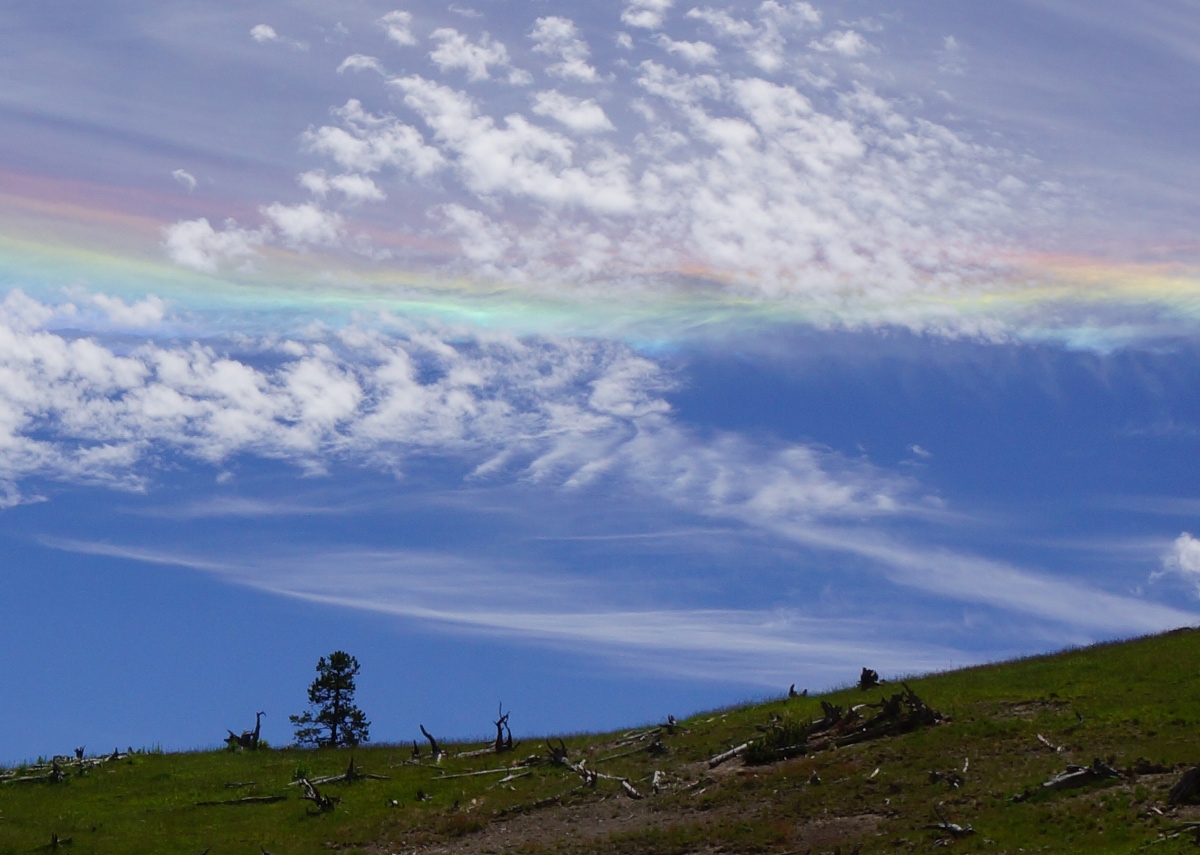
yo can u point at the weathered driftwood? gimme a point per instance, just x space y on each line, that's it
952 778
352 773
590 777
507 770
1074 776
838 727
56 769
656 748
513 777
245 800
438 753
629 789
323 803
1187 789
725 756
868 679
247 740
1078 776
951 828
504 740
1057 749
54 775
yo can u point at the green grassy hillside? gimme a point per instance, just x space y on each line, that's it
894 777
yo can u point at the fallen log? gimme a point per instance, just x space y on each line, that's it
725 756
245 800
352 773
483 772
1074 776
1057 749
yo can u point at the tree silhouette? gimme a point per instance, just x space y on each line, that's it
334 719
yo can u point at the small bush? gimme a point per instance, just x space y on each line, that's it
785 739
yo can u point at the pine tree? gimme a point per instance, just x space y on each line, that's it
334 720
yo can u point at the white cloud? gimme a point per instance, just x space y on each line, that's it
264 33
950 57
305 224
398 27
196 244
765 38
647 14
184 178
583 116
1183 560
367 142
847 43
456 51
147 312
517 158
483 241
559 38
696 53
355 188
361 62
762 647
560 412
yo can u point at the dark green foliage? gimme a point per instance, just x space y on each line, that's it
783 740
334 720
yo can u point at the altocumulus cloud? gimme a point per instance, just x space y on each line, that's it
561 411
762 159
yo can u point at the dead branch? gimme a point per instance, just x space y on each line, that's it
433 744
504 740
513 777
1057 749
558 753
629 790
311 793
352 773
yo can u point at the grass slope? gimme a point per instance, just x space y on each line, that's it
1127 703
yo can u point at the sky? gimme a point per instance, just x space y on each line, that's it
607 361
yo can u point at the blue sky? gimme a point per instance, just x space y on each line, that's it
607 361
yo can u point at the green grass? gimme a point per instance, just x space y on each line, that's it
1121 702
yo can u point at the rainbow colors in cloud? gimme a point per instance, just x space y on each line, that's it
59 242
